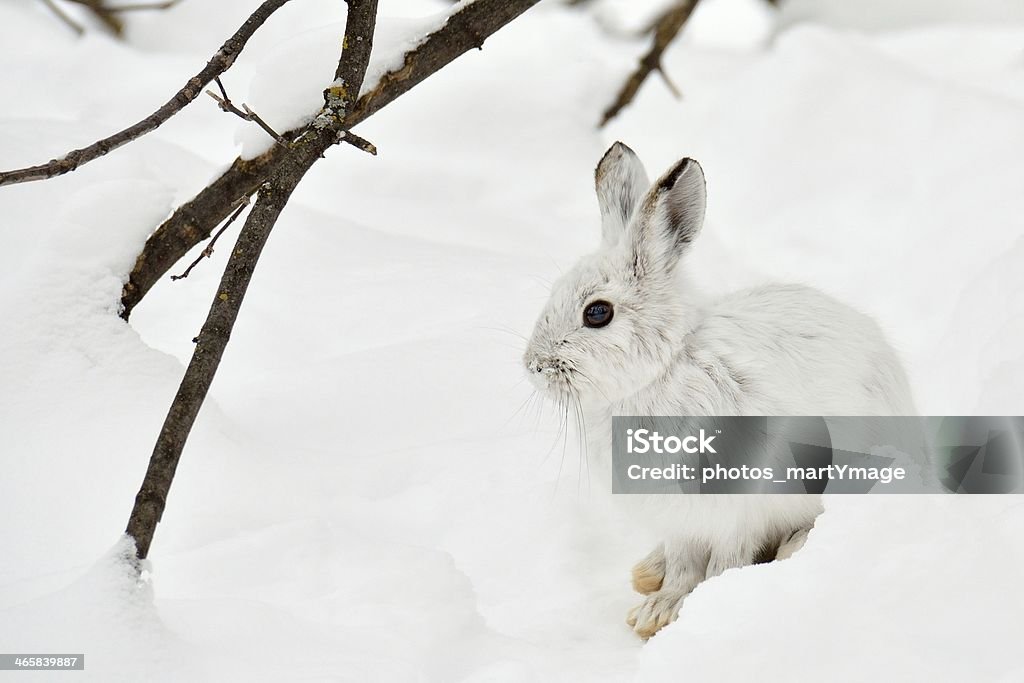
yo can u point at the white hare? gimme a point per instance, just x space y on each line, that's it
624 334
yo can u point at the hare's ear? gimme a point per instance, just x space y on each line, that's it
621 184
671 216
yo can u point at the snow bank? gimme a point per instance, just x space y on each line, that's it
890 588
107 614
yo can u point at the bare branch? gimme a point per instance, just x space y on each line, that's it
218 64
193 222
666 28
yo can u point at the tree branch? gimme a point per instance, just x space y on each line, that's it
213 338
218 64
193 222
665 29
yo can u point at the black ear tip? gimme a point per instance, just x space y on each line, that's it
680 169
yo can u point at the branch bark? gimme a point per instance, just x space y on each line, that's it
218 64
194 221
274 193
665 29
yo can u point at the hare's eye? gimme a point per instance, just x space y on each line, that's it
597 314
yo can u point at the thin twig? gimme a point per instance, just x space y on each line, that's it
63 16
358 142
218 64
248 114
665 29
208 251
255 118
672 87
223 90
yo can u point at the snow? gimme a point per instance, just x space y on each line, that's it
369 492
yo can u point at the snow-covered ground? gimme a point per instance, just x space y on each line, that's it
365 495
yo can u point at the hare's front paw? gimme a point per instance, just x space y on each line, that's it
649 573
657 610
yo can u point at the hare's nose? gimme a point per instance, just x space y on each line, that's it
540 366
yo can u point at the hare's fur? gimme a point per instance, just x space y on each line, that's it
773 350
